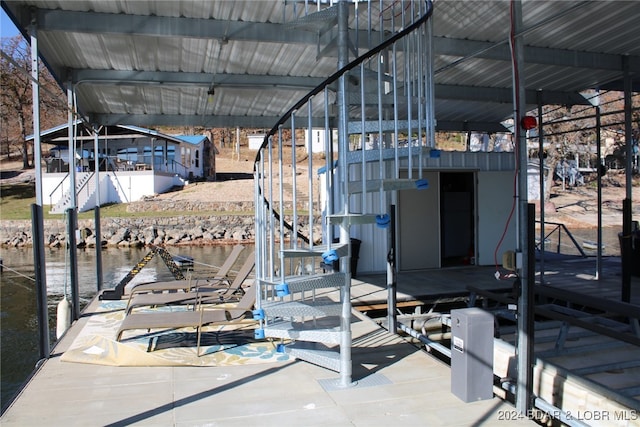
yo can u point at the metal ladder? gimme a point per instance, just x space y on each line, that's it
367 110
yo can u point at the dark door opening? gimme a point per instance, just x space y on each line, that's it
458 218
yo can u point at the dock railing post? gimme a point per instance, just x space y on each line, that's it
392 319
73 261
41 280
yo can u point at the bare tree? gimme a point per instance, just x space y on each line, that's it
571 131
16 113
16 97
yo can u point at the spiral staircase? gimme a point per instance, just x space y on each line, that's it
374 117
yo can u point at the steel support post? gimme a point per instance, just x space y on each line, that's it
41 281
343 144
626 211
524 343
37 221
72 225
73 262
98 232
71 146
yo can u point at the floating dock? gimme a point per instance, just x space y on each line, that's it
396 379
395 382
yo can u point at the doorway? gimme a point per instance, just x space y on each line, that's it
457 213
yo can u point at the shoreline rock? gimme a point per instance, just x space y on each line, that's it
138 232
234 222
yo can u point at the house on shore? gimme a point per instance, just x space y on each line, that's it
131 163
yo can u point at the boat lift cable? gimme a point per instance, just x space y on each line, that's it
4 266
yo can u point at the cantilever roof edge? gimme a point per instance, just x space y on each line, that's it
61 131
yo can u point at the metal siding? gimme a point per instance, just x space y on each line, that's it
373 249
494 200
419 226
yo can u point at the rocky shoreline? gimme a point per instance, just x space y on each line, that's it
137 232
214 214
231 223
191 229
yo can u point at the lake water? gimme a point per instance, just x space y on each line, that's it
19 351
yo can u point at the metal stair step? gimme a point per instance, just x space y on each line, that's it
315 21
351 219
341 250
315 353
386 154
300 309
308 282
307 331
373 126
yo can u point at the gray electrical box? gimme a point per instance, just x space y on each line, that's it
472 354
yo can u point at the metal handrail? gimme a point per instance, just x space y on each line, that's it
79 188
318 89
335 76
275 263
59 185
559 227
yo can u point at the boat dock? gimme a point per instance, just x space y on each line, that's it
396 380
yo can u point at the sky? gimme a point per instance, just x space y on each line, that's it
7 29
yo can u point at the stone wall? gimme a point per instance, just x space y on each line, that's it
162 231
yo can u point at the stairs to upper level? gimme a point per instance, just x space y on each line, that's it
375 117
85 190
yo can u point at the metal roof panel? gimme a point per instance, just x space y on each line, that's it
232 40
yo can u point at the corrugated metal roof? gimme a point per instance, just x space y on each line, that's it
58 135
191 139
153 62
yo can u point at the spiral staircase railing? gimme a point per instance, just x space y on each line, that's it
374 121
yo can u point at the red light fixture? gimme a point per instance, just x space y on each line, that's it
528 122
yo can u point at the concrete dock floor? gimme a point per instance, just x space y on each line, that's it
394 383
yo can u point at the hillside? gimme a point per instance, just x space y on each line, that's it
575 207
